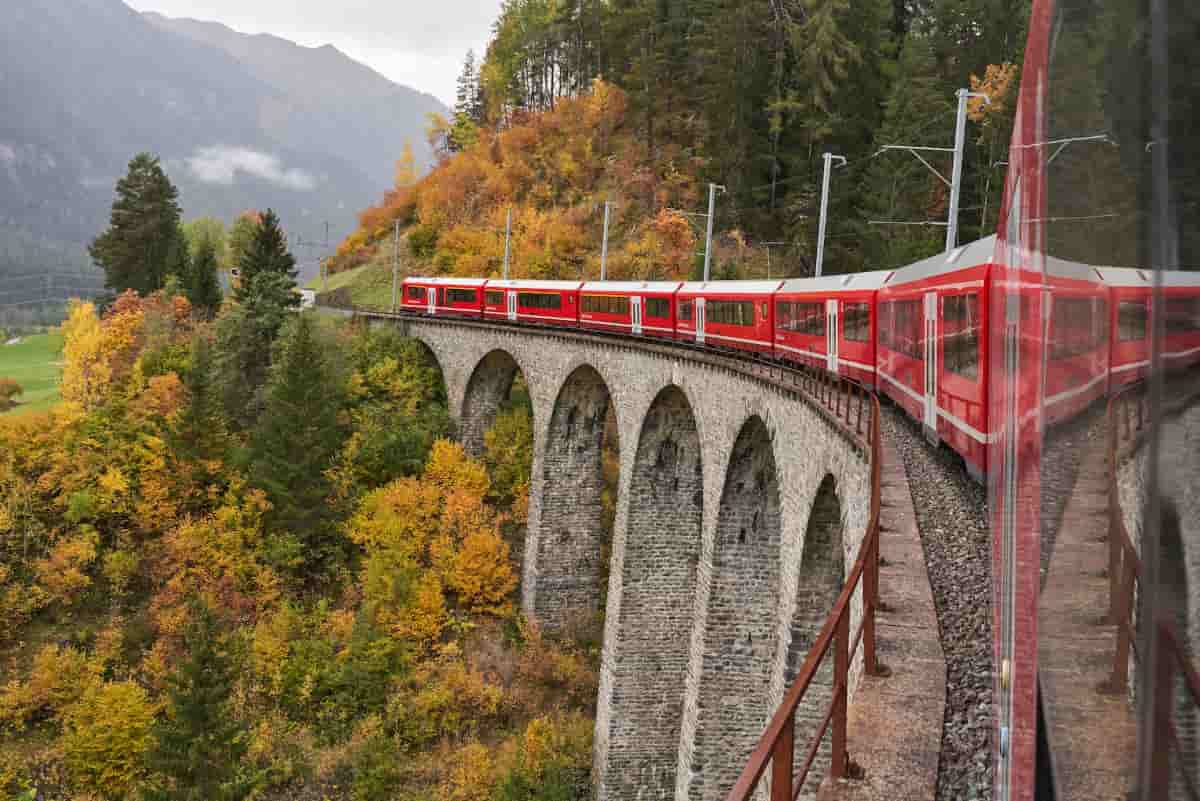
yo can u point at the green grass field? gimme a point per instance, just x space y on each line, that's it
370 285
34 363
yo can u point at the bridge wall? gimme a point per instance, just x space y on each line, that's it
702 556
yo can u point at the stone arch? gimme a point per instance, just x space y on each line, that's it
740 639
487 389
658 585
820 581
572 541
1175 601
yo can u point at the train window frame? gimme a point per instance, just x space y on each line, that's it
902 312
1126 331
534 300
800 317
456 294
960 346
493 297
416 293
856 321
604 304
658 308
1182 315
739 313
764 309
685 309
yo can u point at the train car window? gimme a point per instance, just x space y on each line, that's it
1131 320
441 295
856 322
604 304
539 300
960 335
800 318
730 312
764 310
658 307
900 324
1183 315
1073 328
494 298
685 310
416 293
461 295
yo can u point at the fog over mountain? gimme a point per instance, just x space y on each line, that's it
239 121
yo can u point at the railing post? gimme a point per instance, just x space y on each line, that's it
841 674
1164 698
862 401
782 756
1120 676
870 595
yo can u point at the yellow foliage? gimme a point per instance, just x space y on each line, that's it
86 372
63 574
398 517
473 775
443 698
58 678
996 83
424 618
483 576
106 736
451 470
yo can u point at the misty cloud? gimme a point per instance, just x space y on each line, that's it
220 164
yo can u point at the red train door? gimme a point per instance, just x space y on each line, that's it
831 335
931 366
635 307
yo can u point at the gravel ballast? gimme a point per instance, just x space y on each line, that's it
952 517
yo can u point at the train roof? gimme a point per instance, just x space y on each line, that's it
732 287
981 251
632 286
1132 276
446 280
850 282
1061 268
512 283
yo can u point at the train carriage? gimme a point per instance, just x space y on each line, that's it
727 314
443 295
635 307
1129 323
544 302
931 349
1181 323
1076 339
830 323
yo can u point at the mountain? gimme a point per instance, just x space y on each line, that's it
240 122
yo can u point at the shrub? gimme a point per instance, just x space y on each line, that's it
106 737
10 390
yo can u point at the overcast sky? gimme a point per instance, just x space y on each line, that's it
419 43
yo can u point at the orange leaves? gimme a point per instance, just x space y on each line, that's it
64 573
996 83
482 574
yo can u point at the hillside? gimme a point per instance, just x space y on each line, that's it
95 82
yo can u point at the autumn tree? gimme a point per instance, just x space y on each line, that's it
10 390
206 230
200 744
293 446
143 234
241 233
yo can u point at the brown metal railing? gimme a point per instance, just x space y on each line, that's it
777 744
1128 419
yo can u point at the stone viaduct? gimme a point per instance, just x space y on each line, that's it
740 510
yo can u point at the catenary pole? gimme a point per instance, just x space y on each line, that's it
604 242
507 236
828 158
712 206
395 266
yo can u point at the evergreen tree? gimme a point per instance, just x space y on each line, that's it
136 249
266 269
200 745
293 445
203 288
201 433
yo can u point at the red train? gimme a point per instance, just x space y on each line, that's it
919 334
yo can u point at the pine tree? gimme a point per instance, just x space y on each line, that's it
293 445
136 249
200 745
266 269
200 434
203 288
